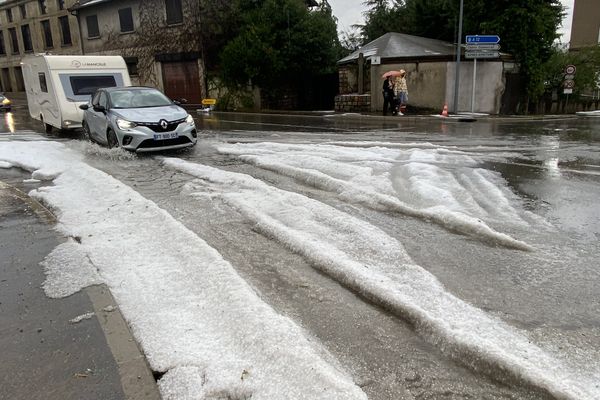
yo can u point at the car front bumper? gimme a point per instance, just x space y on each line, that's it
142 138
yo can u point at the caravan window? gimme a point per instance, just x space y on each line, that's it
80 86
89 84
43 84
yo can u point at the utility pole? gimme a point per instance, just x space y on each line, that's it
458 51
361 73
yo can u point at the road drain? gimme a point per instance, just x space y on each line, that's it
157 375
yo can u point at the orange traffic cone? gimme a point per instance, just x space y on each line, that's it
445 110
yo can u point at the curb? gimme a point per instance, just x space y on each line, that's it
137 380
414 117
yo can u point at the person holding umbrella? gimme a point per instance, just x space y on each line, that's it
388 96
391 82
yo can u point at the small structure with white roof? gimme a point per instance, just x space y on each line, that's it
430 66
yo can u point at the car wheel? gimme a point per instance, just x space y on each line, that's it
111 138
86 132
47 127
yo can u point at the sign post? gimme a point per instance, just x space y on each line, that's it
480 46
569 79
569 82
483 39
474 80
458 54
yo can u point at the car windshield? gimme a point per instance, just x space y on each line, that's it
138 98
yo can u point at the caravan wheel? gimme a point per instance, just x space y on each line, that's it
47 127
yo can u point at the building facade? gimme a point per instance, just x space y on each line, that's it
585 29
33 26
159 40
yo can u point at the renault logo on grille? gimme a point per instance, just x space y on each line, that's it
163 124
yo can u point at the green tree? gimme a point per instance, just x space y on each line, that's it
218 23
587 62
383 16
527 28
435 19
351 40
280 42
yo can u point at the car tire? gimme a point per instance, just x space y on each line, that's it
86 132
111 138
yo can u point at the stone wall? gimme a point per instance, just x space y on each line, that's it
353 103
489 86
347 79
426 84
431 85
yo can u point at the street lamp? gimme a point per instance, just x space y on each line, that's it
458 51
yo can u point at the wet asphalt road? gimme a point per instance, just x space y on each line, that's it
553 165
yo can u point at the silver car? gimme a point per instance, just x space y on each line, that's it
137 119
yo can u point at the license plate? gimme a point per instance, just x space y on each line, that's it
163 136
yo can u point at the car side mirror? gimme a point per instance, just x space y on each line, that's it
183 101
99 108
177 103
84 107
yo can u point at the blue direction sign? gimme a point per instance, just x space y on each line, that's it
473 39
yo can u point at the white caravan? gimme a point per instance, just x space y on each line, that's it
57 85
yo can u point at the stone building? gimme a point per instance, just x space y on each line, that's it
585 30
159 40
33 26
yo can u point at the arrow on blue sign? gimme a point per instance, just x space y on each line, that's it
483 39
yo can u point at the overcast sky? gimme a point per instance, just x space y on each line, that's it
349 12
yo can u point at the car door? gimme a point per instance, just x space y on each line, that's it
91 117
102 115
97 117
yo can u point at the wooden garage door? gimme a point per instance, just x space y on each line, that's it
182 80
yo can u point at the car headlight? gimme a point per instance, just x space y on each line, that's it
124 124
190 119
7 101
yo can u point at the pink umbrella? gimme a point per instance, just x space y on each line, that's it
392 73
